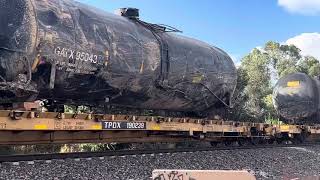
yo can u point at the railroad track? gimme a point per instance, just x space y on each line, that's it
32 157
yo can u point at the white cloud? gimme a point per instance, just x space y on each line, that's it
309 43
306 7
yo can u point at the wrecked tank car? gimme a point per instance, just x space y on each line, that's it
73 53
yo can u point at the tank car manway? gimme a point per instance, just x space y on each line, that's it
29 127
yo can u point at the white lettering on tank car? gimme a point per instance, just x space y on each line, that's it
79 55
71 54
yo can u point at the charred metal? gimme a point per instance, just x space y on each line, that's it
72 53
296 98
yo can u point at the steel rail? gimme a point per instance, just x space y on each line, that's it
51 156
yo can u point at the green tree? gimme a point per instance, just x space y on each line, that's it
257 75
284 58
268 105
239 111
309 65
314 70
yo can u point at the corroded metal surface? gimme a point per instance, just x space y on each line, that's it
66 51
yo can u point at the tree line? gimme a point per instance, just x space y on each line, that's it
258 73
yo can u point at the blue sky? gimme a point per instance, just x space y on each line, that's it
237 26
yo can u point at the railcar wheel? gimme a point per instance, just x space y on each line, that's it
270 141
299 138
214 144
228 143
243 142
279 141
255 141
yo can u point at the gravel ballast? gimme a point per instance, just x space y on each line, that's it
275 163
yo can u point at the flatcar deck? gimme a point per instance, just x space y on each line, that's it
30 127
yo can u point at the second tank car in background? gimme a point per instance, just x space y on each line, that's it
296 98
